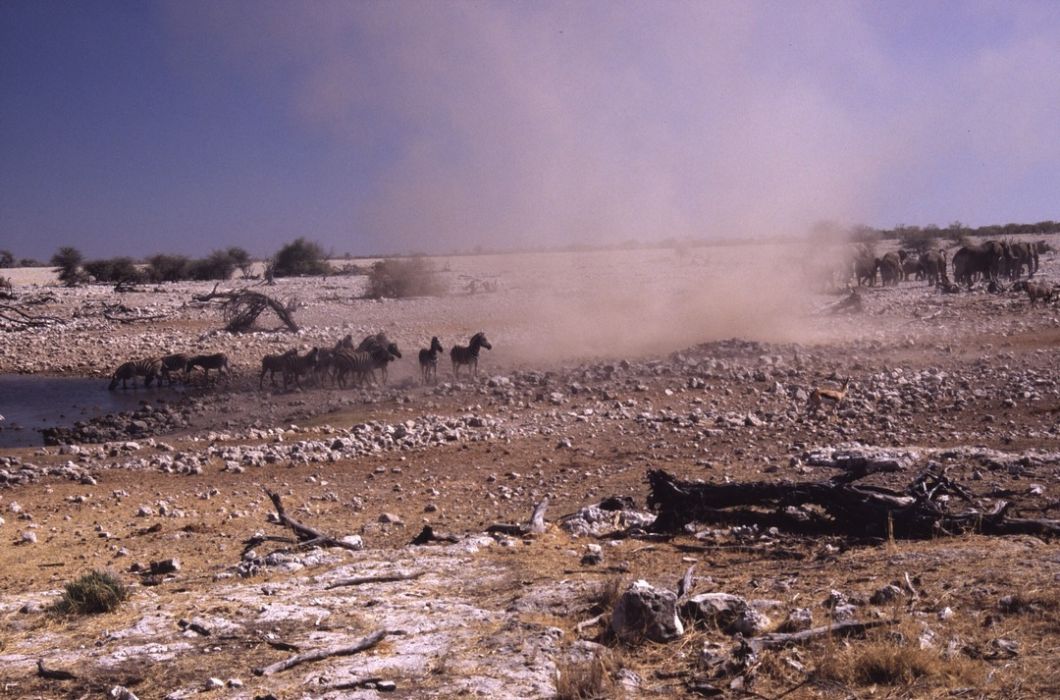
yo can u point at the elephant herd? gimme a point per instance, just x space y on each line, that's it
990 260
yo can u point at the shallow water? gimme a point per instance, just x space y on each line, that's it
30 403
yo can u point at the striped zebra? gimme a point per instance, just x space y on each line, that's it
217 361
461 355
297 365
429 361
360 364
379 342
273 364
149 369
175 363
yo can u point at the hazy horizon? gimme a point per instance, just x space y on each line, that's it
188 126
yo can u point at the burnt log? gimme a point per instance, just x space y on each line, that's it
836 506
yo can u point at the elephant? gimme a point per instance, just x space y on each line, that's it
865 270
1019 256
890 267
933 266
972 260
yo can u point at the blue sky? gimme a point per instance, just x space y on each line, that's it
131 127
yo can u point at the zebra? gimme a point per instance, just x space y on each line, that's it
360 363
296 365
461 355
148 369
429 361
217 361
379 341
177 362
273 364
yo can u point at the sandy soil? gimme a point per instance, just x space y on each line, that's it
604 365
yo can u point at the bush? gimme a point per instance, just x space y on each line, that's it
68 260
241 259
114 270
95 592
6 258
404 277
167 268
218 266
300 257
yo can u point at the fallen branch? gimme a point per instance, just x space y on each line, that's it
836 506
536 526
306 536
777 640
24 319
243 306
427 534
132 318
360 645
380 578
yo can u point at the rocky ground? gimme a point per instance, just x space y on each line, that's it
605 365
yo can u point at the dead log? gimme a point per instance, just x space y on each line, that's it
243 306
778 640
381 578
360 645
836 506
305 535
536 526
54 674
427 534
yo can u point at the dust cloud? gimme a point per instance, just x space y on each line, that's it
632 303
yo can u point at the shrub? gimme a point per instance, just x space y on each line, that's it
218 266
95 592
404 277
167 268
300 257
241 259
114 270
68 260
6 258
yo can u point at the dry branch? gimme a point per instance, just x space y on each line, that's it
536 525
360 645
243 306
427 534
381 578
777 640
837 506
306 536
25 320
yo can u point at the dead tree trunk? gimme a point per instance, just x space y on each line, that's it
837 506
243 306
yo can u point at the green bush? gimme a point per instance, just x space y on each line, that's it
167 268
218 266
300 257
6 258
114 270
95 592
68 260
404 277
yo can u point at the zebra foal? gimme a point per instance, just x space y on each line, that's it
429 361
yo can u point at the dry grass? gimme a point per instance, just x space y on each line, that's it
883 662
585 680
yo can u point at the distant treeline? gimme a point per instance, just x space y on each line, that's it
955 231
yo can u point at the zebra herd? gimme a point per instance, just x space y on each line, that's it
164 368
338 365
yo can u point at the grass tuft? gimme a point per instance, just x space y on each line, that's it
95 592
585 680
884 663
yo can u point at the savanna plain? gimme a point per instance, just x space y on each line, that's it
377 540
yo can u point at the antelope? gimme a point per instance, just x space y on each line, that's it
833 396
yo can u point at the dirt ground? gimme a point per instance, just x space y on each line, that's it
605 365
